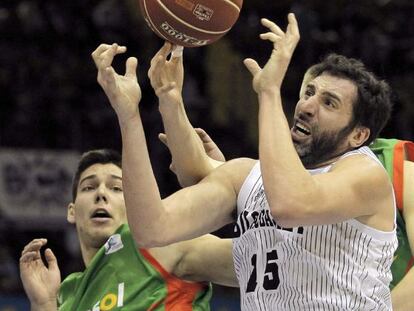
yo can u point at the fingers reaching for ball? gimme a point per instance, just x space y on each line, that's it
105 53
270 77
166 74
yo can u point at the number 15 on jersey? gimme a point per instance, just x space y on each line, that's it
270 279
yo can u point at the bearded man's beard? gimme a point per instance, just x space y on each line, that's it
323 147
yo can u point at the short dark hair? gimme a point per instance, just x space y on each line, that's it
373 105
99 156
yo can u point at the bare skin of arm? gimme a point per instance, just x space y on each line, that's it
295 197
207 258
409 201
186 214
402 295
215 156
189 159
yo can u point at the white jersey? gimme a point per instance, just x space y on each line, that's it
342 266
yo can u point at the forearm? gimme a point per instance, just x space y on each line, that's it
282 171
188 155
403 294
409 201
142 198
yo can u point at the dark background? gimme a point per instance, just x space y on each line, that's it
49 97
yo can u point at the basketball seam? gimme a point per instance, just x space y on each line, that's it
233 4
150 20
189 25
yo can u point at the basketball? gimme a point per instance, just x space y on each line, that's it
190 23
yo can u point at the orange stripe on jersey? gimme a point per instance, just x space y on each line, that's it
180 294
410 265
398 173
401 149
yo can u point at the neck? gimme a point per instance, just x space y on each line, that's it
88 253
322 164
330 161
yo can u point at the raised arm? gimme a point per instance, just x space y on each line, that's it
189 158
216 157
403 294
295 197
41 283
189 213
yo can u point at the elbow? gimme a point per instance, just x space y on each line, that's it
282 219
187 180
285 214
293 209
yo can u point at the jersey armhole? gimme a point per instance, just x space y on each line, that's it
167 276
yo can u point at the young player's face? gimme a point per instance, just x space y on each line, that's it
323 114
99 208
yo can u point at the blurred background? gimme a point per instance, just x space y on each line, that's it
52 109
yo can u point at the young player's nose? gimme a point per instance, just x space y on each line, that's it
101 194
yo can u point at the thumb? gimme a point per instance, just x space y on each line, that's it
172 168
202 134
51 260
252 66
163 138
131 67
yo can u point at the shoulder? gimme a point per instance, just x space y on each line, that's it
365 175
71 278
69 285
363 163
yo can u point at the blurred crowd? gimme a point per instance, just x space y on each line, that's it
50 98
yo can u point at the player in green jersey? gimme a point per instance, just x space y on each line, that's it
118 274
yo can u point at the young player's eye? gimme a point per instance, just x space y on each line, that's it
87 188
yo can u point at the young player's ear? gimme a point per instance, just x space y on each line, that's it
71 213
359 136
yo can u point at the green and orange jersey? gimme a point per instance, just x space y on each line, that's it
391 153
123 277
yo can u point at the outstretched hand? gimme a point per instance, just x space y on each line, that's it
123 91
210 148
167 73
270 77
40 282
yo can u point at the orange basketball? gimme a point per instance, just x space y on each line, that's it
191 23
